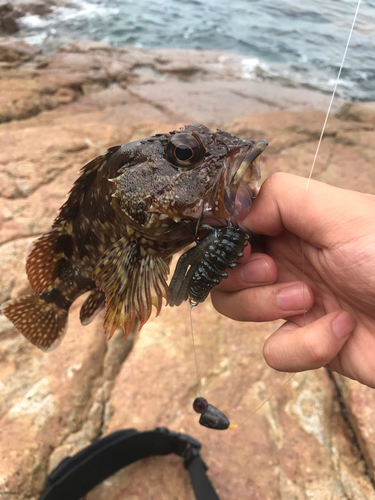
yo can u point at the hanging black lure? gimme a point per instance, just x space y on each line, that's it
211 416
198 270
202 267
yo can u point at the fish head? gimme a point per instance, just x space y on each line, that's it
185 177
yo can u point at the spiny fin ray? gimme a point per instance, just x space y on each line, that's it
133 281
81 186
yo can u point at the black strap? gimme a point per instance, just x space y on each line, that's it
75 476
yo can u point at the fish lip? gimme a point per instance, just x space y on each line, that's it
250 163
237 185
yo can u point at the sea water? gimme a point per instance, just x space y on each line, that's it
297 42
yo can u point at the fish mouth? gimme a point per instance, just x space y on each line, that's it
237 186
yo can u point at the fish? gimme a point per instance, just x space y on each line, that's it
127 214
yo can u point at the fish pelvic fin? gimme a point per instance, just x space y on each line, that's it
42 323
133 281
94 303
48 256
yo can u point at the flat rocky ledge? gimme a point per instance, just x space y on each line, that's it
178 84
315 437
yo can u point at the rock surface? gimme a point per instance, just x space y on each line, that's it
315 437
11 11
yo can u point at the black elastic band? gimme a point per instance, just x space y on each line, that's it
75 476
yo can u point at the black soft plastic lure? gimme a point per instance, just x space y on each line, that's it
204 266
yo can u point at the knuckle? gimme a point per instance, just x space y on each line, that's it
317 353
269 354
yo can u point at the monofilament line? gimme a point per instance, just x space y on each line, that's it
200 391
333 94
321 136
266 400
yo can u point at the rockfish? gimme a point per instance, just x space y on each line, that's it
129 211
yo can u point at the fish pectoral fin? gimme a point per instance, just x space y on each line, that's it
133 281
92 306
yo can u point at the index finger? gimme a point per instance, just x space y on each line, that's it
257 270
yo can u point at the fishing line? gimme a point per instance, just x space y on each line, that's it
321 138
200 389
266 400
333 93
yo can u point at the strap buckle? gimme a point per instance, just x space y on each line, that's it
185 446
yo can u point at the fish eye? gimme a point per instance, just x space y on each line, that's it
185 150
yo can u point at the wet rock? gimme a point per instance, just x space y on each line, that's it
85 46
19 8
14 50
358 112
8 19
166 80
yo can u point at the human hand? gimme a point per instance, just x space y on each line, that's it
327 295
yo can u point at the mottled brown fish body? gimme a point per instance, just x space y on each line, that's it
127 214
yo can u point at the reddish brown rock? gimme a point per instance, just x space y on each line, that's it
85 46
358 112
360 403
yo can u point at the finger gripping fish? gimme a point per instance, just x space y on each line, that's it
126 215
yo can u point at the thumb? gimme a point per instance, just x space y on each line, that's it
293 349
284 202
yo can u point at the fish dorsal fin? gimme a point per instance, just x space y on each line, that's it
133 281
82 184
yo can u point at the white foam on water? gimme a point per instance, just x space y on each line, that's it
342 83
86 9
32 21
249 67
62 14
36 39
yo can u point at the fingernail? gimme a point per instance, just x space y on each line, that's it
343 325
293 298
256 271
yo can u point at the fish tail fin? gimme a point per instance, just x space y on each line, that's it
42 323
